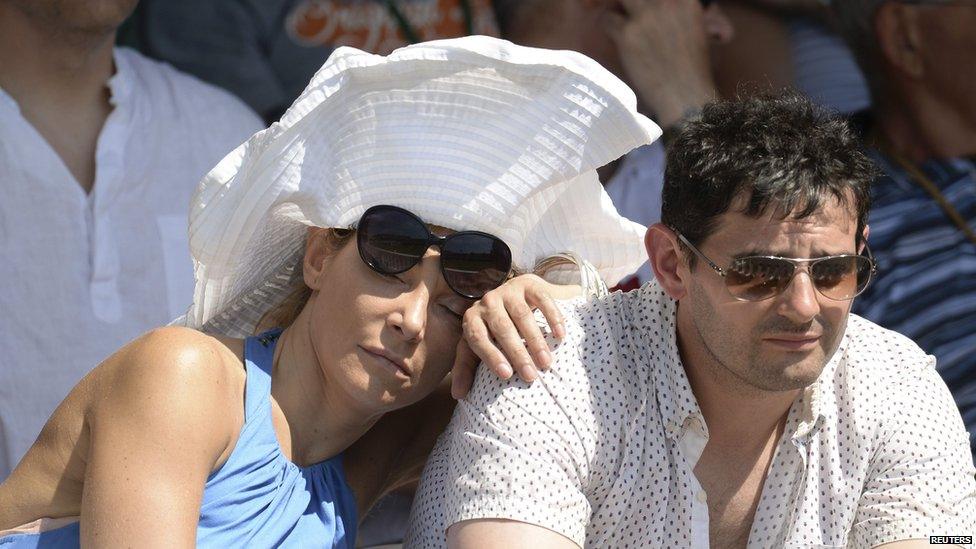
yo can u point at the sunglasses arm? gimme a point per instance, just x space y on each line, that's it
704 257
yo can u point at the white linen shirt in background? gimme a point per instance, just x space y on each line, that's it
635 190
83 274
602 448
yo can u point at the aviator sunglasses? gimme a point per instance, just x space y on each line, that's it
755 278
392 240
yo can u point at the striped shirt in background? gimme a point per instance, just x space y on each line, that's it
926 285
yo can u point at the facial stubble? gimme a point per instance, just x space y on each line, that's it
741 361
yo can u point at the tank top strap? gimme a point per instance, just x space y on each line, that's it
258 359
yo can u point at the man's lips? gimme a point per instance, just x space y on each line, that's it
794 341
398 363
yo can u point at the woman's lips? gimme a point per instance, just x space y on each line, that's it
395 365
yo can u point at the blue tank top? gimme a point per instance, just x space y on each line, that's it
258 498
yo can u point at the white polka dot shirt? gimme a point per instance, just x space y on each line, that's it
601 449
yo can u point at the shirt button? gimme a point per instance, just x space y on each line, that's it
701 496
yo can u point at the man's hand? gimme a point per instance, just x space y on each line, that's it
496 325
663 46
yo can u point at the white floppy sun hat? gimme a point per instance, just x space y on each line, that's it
473 133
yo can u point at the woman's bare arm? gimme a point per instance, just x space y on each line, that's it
164 412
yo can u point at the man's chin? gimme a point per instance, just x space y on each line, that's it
795 374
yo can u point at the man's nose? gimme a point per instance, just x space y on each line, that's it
800 301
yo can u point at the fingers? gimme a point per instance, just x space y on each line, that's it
502 328
462 374
479 342
554 317
528 330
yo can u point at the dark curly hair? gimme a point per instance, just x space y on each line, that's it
773 150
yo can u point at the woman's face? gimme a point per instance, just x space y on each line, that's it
384 341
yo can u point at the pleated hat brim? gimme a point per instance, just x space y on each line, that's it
473 133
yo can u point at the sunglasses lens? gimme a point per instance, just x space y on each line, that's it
758 278
475 263
391 241
841 278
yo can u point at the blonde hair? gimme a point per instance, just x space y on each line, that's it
285 313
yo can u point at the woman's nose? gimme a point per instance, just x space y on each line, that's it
410 317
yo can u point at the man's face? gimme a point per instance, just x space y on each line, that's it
948 40
91 16
784 342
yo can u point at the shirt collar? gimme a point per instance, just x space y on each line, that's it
811 418
675 400
121 82
6 99
818 401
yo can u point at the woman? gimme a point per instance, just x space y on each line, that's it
359 229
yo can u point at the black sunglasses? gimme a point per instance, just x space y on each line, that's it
755 278
392 240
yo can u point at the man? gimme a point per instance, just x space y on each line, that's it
789 43
917 57
733 402
100 150
658 47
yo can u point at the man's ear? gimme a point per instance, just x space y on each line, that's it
864 238
899 39
667 259
317 250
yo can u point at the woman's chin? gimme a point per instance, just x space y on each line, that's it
383 393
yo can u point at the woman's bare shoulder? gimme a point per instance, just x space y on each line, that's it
171 383
177 368
174 354
180 346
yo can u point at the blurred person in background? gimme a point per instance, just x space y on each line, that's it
100 150
658 47
758 58
788 43
265 51
918 60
